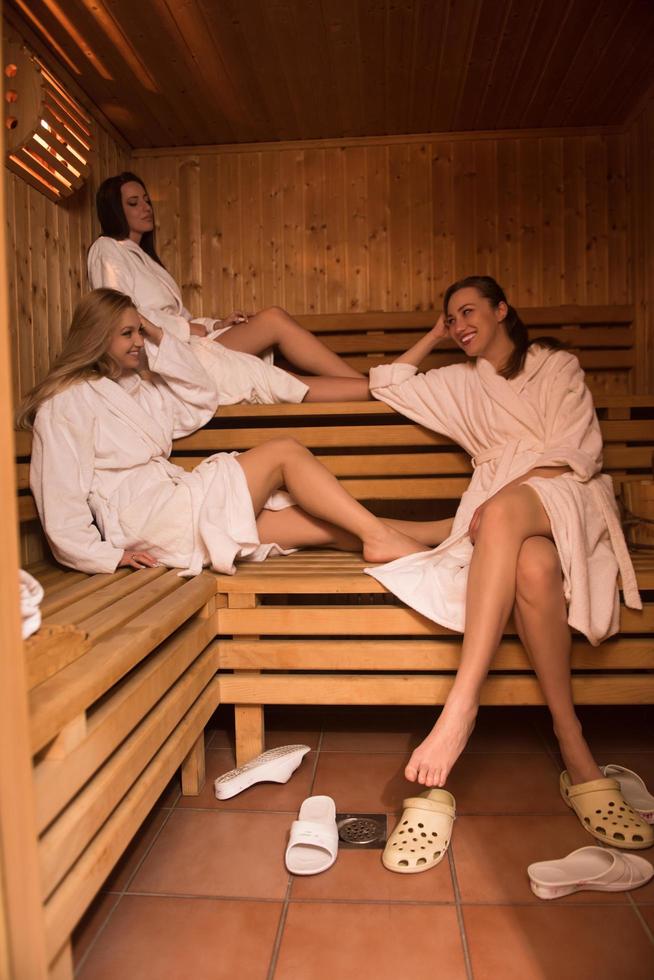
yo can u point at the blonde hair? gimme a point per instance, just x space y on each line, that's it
85 352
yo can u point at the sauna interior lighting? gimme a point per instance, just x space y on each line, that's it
48 134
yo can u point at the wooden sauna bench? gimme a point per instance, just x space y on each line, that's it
127 668
121 684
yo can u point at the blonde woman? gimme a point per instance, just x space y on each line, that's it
108 495
125 258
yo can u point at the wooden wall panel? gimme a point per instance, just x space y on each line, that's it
46 260
384 224
641 242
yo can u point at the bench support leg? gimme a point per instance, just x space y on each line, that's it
248 723
193 769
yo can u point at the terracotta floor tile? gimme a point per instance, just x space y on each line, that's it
647 912
91 922
506 783
203 852
384 942
507 729
375 729
171 793
491 855
136 851
184 939
261 796
645 895
363 783
360 876
223 738
545 942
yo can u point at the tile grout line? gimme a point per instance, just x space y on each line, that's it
121 894
459 914
274 956
639 915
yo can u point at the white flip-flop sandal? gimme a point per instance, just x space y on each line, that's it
273 766
423 833
597 869
633 789
313 841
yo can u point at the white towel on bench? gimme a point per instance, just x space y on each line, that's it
31 596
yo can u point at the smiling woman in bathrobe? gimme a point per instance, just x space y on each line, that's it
125 258
108 495
537 532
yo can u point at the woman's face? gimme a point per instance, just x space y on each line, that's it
477 327
127 341
137 208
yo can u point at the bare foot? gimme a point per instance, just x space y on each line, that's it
577 757
431 762
390 544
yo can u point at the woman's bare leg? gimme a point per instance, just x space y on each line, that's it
541 617
324 389
285 463
273 327
507 521
429 533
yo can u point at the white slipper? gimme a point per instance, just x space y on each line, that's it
633 789
597 869
273 766
313 841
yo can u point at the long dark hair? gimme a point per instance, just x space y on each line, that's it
515 328
111 213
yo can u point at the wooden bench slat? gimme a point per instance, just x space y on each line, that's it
625 653
409 689
65 840
81 601
72 690
109 723
72 593
51 649
67 904
410 319
131 602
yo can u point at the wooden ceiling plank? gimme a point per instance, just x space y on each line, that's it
255 59
399 43
372 32
344 51
485 41
218 92
150 27
633 77
600 29
543 36
511 50
459 34
426 64
305 64
573 22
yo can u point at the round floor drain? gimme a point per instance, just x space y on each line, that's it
360 830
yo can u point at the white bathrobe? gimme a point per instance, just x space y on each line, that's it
238 377
543 417
100 453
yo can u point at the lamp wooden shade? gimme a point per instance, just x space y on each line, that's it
47 133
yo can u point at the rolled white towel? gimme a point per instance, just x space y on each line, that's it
31 594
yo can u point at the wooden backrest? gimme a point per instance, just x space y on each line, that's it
381 456
601 336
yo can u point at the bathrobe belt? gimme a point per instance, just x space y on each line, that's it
506 454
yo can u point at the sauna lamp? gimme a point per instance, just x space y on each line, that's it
48 135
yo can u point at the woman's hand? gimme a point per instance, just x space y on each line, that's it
236 316
151 331
423 347
138 559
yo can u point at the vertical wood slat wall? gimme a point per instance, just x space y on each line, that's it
384 224
641 155
47 245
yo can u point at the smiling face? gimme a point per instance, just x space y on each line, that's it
127 341
477 327
138 209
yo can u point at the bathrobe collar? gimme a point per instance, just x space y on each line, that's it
508 392
122 403
153 267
